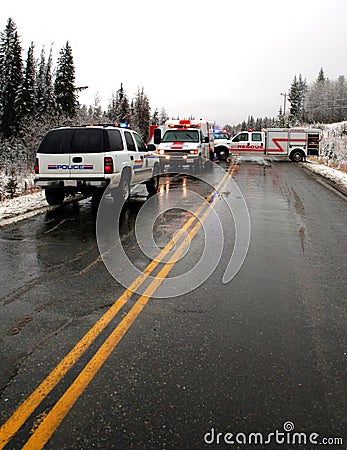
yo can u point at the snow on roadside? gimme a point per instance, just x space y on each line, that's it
337 177
22 207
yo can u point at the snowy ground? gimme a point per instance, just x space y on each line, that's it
29 205
334 176
22 207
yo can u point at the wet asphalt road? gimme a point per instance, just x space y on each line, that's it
267 348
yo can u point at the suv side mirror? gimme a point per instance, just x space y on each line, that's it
151 147
157 136
206 140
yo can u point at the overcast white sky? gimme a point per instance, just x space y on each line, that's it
221 60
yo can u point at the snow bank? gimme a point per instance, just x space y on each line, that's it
335 176
22 207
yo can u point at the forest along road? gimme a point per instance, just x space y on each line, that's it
87 363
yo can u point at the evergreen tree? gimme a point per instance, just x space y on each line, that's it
11 80
341 99
296 98
141 114
64 88
122 106
45 97
28 94
119 109
155 117
40 85
163 117
49 97
316 99
259 123
97 113
281 121
250 122
111 110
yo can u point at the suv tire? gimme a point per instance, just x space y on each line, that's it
54 196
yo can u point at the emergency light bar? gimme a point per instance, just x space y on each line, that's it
118 125
184 124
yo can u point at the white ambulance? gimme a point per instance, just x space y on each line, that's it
296 143
185 142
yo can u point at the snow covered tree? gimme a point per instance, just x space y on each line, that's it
163 117
12 183
11 79
119 108
50 104
28 91
280 122
97 110
296 97
317 98
45 97
40 84
341 99
250 122
111 109
141 114
64 87
122 106
155 117
258 123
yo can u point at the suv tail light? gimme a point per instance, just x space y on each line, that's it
37 167
108 164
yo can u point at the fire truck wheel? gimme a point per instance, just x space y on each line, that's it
297 155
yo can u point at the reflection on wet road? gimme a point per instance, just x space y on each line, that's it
244 356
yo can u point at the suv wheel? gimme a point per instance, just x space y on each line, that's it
54 196
124 188
152 185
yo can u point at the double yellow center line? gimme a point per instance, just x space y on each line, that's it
52 420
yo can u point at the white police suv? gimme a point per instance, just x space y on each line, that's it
86 159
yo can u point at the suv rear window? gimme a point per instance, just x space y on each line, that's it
69 140
56 141
87 141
